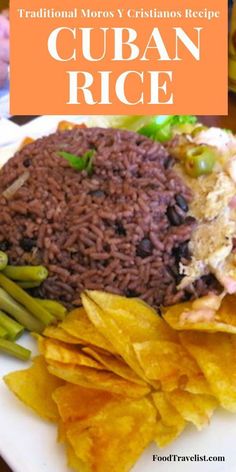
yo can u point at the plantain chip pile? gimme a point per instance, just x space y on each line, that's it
115 376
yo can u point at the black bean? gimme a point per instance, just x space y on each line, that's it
181 202
169 162
181 252
107 247
97 193
187 296
174 218
5 245
27 244
144 248
27 162
129 293
119 229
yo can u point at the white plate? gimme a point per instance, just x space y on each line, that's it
28 443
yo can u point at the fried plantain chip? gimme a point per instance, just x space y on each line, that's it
171 423
78 325
227 311
57 351
75 402
110 329
97 379
197 384
34 387
118 322
185 317
56 332
126 311
74 462
215 354
113 439
167 362
114 364
196 409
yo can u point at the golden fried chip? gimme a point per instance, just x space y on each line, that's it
61 431
113 439
134 317
110 329
97 379
215 354
197 384
75 402
34 387
57 351
56 332
196 409
74 462
78 325
118 323
114 364
227 311
171 423
167 362
184 317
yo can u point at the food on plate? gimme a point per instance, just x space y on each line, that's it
26 273
132 228
114 210
153 384
35 386
24 310
119 229
11 326
203 315
13 349
3 260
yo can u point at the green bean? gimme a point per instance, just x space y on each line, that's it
3 260
18 312
3 332
54 307
26 273
14 350
14 329
29 284
26 300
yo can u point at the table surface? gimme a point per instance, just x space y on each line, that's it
222 121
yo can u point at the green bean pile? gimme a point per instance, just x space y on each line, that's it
19 310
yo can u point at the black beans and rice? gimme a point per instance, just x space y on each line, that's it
123 229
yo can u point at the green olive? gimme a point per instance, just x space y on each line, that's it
199 160
198 130
184 128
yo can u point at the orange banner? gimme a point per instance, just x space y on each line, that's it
111 57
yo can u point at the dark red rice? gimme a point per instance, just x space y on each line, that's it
109 231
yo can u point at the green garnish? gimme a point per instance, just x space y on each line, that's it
84 162
161 127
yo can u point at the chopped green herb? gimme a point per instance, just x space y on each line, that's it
84 162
